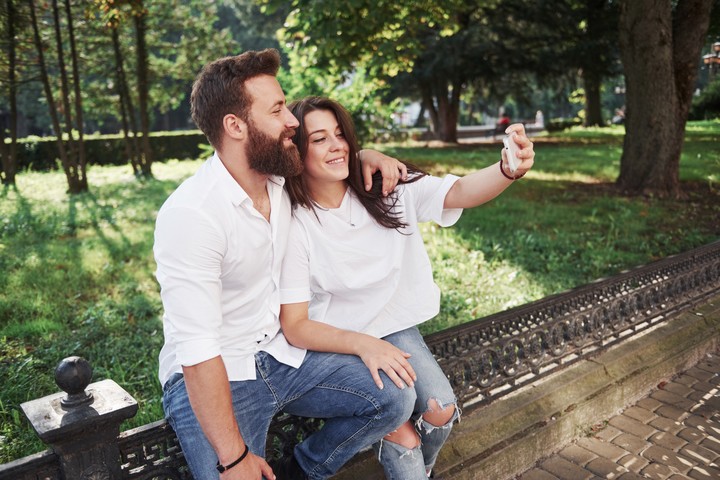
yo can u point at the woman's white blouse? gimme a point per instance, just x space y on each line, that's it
358 275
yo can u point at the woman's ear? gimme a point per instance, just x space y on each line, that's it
235 127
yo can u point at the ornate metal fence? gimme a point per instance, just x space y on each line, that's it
484 359
492 356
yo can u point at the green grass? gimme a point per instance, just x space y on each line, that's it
77 272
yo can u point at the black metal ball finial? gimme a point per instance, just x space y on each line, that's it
73 375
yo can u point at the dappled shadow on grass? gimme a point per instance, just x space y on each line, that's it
101 219
565 234
76 281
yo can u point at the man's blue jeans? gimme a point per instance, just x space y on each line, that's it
335 387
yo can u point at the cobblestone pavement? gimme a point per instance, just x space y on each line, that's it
673 434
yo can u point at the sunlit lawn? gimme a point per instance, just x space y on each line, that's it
77 272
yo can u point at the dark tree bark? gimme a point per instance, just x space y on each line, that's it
5 159
601 19
143 88
420 120
9 152
77 182
64 91
593 106
442 102
80 143
44 78
127 111
660 50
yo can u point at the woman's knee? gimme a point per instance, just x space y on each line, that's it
405 435
398 404
438 415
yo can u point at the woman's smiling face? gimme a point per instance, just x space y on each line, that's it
326 159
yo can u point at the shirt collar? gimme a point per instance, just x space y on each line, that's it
236 193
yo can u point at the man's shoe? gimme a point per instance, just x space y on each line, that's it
287 468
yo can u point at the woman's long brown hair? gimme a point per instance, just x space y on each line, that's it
379 207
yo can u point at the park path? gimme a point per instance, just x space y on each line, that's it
673 434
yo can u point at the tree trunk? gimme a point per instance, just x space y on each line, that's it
596 13
143 87
660 62
74 175
690 27
80 144
64 160
131 147
443 106
64 92
420 120
429 105
593 109
9 152
5 158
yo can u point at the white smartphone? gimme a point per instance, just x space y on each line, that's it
511 149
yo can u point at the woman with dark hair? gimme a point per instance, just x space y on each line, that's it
357 280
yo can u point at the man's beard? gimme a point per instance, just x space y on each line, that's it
270 156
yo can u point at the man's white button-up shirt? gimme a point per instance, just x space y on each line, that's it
218 265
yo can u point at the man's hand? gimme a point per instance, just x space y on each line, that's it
379 355
392 170
251 468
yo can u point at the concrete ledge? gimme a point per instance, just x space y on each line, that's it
508 437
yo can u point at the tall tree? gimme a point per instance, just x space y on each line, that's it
74 172
77 97
127 109
112 15
8 153
599 33
661 42
77 179
143 85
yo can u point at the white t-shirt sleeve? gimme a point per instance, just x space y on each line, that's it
428 195
295 275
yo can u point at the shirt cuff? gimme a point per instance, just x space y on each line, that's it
196 351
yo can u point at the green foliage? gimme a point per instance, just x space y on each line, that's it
181 37
78 270
433 51
359 94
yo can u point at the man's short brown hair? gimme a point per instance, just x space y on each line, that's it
220 90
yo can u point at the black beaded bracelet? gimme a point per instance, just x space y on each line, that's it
502 170
223 468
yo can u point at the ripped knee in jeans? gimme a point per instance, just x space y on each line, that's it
437 416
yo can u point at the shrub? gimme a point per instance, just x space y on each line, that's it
41 154
707 104
560 124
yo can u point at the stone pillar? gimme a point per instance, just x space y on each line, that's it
82 424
